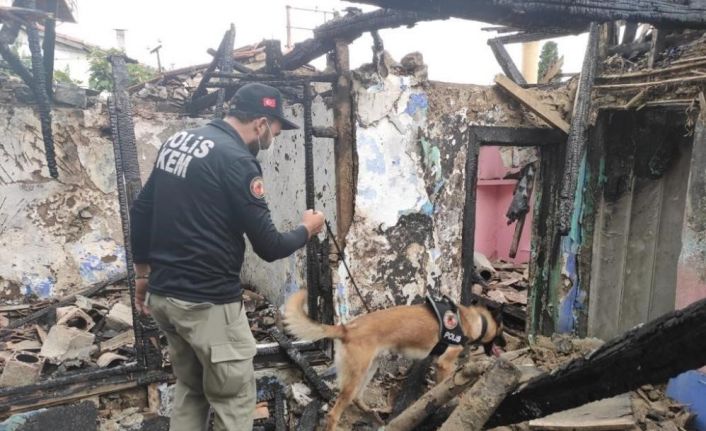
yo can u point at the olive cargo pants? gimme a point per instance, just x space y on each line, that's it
211 349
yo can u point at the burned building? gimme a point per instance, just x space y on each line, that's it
612 162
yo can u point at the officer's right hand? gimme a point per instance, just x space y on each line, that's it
313 221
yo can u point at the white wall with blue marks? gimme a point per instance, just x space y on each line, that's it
59 236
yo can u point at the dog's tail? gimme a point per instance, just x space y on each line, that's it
299 323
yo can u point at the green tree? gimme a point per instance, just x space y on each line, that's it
64 76
549 55
99 70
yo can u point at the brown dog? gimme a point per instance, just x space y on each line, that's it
410 330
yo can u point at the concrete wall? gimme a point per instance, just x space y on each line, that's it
406 236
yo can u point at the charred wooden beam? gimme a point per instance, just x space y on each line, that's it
578 135
273 56
207 74
469 215
479 402
573 14
518 136
16 65
48 45
344 146
413 386
325 132
347 29
129 185
226 66
547 114
41 96
310 417
77 386
621 365
438 396
309 373
98 287
505 61
295 78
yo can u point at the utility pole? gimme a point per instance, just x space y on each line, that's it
156 51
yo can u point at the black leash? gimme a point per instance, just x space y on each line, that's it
343 259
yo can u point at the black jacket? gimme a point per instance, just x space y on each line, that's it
204 192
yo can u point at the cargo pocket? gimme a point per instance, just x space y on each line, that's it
230 369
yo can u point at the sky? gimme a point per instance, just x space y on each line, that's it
455 50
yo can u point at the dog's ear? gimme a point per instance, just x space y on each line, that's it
497 313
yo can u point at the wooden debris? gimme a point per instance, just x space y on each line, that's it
532 103
609 414
480 401
623 364
650 83
442 393
505 61
4 321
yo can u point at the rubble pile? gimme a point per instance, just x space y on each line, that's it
88 333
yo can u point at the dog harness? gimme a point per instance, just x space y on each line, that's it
450 329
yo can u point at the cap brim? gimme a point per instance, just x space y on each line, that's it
286 124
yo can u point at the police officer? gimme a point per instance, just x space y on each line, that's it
206 190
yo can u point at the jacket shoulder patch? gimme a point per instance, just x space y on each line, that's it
257 188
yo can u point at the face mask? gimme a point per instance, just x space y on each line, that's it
272 137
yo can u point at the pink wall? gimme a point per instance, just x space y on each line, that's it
493 235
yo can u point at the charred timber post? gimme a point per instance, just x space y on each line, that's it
321 388
273 56
439 395
208 74
505 61
469 216
42 97
344 146
621 365
578 133
313 246
226 66
129 183
48 47
479 402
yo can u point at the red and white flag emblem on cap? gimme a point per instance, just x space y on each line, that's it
269 102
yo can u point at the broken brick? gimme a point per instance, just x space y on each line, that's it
23 368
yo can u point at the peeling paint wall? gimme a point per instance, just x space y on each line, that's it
405 239
283 171
58 236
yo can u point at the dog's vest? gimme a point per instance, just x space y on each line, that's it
450 329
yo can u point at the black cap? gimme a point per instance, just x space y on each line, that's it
260 99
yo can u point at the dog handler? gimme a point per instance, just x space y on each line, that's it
205 191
